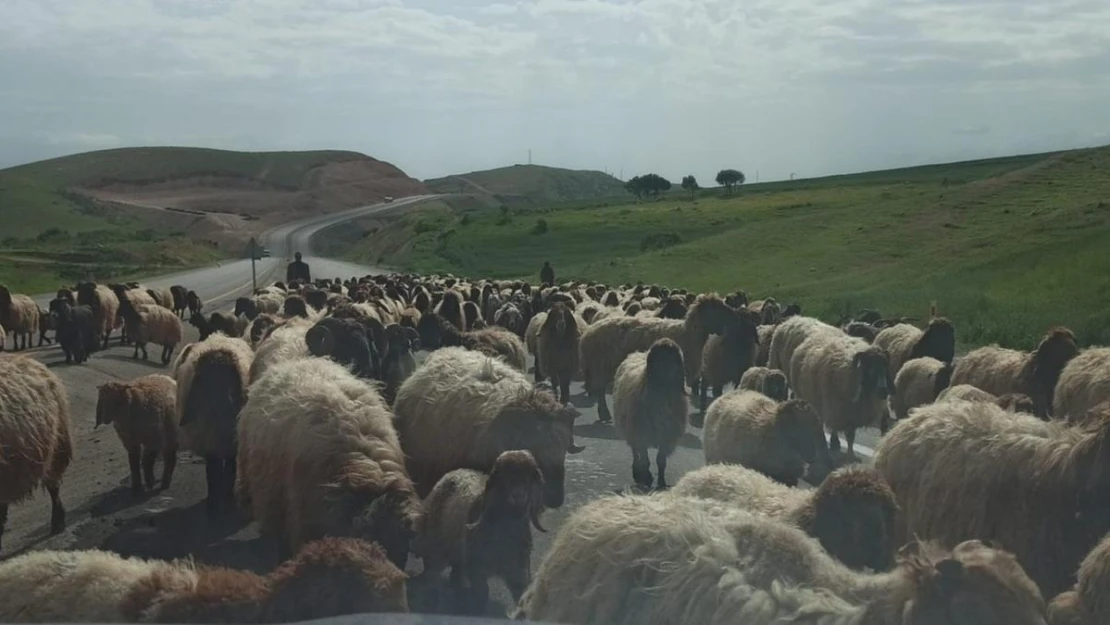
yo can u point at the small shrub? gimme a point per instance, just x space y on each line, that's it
424 225
465 221
659 241
540 227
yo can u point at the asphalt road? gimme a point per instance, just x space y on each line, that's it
169 524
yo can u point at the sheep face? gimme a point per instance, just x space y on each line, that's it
538 423
854 513
245 306
112 397
775 386
791 310
665 369
295 306
515 489
975 583
938 341
1016 402
674 308
430 330
872 374
1044 367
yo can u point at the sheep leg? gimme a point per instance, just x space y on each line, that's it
3 513
57 510
107 335
834 442
478 597
213 474
167 351
603 414
703 393
564 390
135 354
134 458
661 466
641 467
518 581
850 436
149 456
536 375
169 461
229 482
458 586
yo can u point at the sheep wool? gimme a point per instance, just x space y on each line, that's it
1084 383
770 382
284 344
790 334
20 315
903 342
919 382
143 413
1088 603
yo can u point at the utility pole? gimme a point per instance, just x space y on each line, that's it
529 156
254 256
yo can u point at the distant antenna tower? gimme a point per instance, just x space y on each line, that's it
529 156
791 175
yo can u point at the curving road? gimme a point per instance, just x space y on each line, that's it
170 524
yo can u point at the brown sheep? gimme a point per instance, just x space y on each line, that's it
649 403
479 525
903 342
143 414
919 381
329 577
963 469
461 409
1000 371
19 315
851 513
770 382
777 439
34 428
1088 603
557 348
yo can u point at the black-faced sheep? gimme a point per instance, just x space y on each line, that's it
259 327
461 409
158 325
479 525
105 306
1000 371
776 439
473 316
19 314
450 308
557 348
294 306
606 343
788 335
508 316
345 341
769 311
770 382
1088 603
143 413
180 299
34 428
845 379
726 357
649 403
659 559
862 330
963 469
76 330
435 332
919 381
329 577
213 377
851 513
904 342
1083 384
350 480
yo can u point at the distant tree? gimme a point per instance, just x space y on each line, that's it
690 183
729 178
540 227
647 186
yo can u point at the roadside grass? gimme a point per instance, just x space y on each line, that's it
1005 247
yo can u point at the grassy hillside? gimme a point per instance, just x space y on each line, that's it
529 185
1006 247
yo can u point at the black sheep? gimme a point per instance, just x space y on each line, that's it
76 331
347 342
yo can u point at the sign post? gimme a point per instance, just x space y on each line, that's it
254 255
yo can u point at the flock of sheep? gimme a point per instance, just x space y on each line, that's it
988 502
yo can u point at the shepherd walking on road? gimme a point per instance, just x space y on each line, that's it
547 274
297 270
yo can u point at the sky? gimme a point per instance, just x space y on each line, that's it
770 87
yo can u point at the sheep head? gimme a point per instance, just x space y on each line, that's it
942 379
514 489
1043 367
710 312
871 374
938 341
111 397
775 386
861 330
390 519
537 422
295 306
985 584
665 370
852 514
673 308
245 306
1016 402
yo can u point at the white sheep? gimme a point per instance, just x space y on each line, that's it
20 315
770 382
159 325
788 335
903 342
919 381
284 344
1084 383
654 560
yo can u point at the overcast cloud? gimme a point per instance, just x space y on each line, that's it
672 86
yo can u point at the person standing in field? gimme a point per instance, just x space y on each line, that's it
547 274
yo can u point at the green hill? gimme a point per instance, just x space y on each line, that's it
1005 247
529 185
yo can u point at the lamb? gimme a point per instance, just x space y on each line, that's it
180 299
143 414
649 560
726 357
461 409
851 513
510 318
158 325
350 477
346 342
105 306
1000 371
193 301
770 382
285 343
1087 603
790 334
76 332
19 314
450 308
904 342
557 348
964 469
212 381
919 382
649 401
435 332
606 343
1083 384
34 425
479 525
329 577
776 439
845 379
